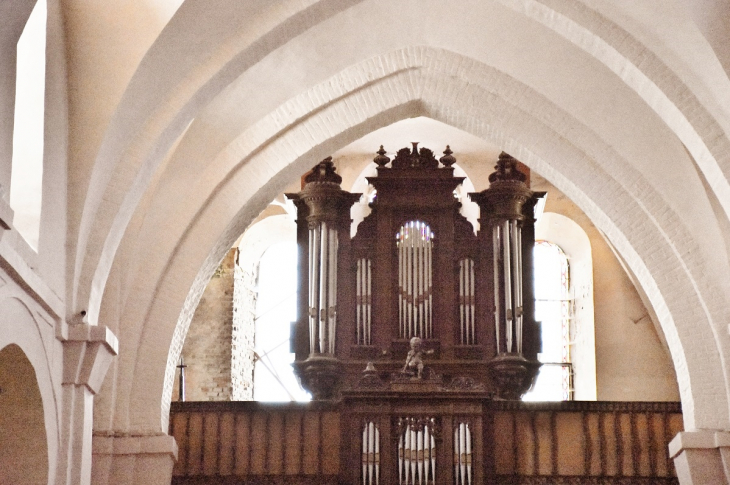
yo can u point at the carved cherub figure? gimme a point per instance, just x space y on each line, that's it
414 359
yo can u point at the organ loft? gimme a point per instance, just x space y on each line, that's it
418 311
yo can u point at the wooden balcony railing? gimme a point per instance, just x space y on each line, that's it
523 443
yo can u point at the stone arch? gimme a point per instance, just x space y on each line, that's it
570 155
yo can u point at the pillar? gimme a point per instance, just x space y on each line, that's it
87 353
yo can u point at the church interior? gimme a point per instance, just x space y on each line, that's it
359 241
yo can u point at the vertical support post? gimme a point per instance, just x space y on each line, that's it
87 353
181 387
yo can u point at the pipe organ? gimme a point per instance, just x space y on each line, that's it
416 285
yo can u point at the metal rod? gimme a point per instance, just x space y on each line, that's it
181 388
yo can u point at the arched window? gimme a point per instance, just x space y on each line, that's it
27 165
273 377
553 310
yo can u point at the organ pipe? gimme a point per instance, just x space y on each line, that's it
416 451
415 280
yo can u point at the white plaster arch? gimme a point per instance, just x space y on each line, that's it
227 55
663 236
24 331
458 112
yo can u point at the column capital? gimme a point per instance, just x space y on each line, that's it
701 457
88 351
703 439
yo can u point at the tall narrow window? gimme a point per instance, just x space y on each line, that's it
552 309
27 165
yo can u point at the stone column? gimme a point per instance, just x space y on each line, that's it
701 457
87 353
131 460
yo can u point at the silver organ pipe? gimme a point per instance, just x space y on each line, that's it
517 283
416 452
506 260
508 295
314 290
359 303
312 322
369 301
323 260
472 302
462 454
495 250
462 316
370 454
323 247
466 301
363 296
331 293
415 280
429 274
401 295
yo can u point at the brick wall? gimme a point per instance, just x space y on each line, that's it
207 348
242 356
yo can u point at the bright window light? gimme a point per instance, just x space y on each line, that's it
273 375
552 309
27 166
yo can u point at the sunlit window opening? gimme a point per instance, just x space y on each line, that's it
276 308
27 164
552 309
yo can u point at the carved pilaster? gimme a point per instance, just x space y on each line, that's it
87 352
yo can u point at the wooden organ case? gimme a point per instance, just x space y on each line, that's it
418 321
